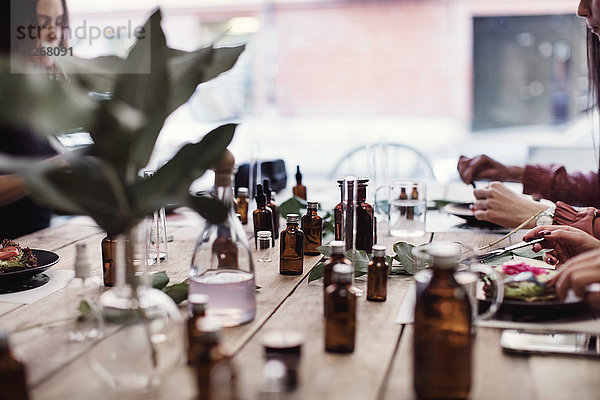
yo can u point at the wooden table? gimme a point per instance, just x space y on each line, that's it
379 368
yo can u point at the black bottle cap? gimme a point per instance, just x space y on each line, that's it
260 196
267 190
298 175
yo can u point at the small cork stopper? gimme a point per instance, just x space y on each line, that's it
224 169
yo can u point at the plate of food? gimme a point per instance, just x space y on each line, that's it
18 264
463 210
528 301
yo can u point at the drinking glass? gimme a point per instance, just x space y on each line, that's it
404 202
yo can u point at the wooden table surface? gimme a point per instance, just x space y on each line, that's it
379 368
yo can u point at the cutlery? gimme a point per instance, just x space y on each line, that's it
503 250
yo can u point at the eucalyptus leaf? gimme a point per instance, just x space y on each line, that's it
292 206
316 272
210 209
159 280
325 250
178 292
360 260
404 255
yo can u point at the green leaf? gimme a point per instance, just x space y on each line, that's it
84 308
360 260
527 252
316 272
159 280
292 206
499 259
404 255
210 209
177 292
325 250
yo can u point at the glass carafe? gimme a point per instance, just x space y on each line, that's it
222 265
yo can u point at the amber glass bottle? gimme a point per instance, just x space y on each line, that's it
377 275
291 248
109 270
197 306
241 204
262 216
12 373
443 338
340 319
410 211
403 196
312 226
338 248
273 206
299 190
364 216
206 354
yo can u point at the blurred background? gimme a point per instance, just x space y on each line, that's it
322 77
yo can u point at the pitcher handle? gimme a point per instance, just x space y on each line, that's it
378 209
498 285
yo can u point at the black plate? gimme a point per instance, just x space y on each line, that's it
522 311
46 259
463 210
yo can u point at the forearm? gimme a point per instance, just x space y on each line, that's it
12 188
552 182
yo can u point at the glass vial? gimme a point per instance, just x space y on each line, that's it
263 251
262 217
109 269
299 190
312 226
273 206
340 319
12 373
222 265
443 338
291 247
338 249
197 311
79 294
377 275
364 216
242 204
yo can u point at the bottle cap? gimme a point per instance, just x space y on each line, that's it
444 255
266 189
243 190
264 234
343 273
210 330
83 269
338 247
224 169
378 251
293 218
260 195
313 205
198 302
284 341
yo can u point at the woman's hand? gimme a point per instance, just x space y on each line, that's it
577 274
565 242
502 206
483 167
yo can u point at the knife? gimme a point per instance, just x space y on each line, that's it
503 250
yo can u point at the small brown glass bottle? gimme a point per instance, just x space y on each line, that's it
410 211
291 248
206 354
403 196
340 319
109 269
338 249
12 373
197 306
241 204
262 216
364 216
273 206
312 226
299 190
443 338
377 275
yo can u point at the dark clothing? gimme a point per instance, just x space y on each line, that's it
23 216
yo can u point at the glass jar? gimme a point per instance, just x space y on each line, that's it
263 250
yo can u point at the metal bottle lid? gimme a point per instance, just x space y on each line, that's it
243 190
293 218
313 205
338 247
264 234
343 273
378 251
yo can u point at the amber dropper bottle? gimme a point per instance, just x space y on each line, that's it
299 190
377 275
273 206
291 248
262 216
340 319
241 204
312 226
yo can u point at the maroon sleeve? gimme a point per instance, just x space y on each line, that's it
587 218
553 183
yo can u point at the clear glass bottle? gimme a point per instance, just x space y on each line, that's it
82 291
443 339
291 248
364 216
12 373
340 319
312 226
242 204
273 206
197 311
109 269
263 252
222 265
338 250
262 217
299 190
377 275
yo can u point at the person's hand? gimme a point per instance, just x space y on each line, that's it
577 274
565 242
502 206
483 167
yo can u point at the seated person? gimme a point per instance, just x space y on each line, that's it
577 256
